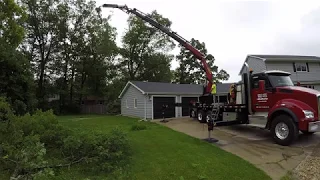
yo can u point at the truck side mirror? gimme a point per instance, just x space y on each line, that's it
261 85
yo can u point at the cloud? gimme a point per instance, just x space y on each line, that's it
231 30
248 14
304 41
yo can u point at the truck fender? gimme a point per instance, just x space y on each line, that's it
279 111
292 107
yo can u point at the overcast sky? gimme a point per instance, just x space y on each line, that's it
234 29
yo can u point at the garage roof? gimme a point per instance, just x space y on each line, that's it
287 57
171 88
281 58
168 88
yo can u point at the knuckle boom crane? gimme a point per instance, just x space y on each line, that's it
172 34
266 99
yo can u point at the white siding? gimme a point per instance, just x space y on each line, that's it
129 97
312 75
317 87
256 64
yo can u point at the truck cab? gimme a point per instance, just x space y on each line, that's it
287 108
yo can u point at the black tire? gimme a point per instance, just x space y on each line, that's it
201 116
193 114
289 125
208 116
307 132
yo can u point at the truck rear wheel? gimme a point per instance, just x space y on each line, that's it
193 113
284 130
208 116
201 116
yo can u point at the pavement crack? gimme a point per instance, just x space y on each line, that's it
290 156
285 158
276 163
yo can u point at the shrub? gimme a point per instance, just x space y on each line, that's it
34 145
114 107
110 151
5 110
19 107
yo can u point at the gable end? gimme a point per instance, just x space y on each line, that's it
127 86
246 61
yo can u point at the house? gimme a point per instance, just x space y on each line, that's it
303 69
145 99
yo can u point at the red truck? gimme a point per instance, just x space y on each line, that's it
266 99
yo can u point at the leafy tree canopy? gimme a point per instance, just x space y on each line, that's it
190 68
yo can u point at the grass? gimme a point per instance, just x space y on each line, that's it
162 153
289 176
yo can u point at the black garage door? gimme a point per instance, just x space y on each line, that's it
157 107
185 104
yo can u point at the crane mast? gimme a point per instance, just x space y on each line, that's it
173 35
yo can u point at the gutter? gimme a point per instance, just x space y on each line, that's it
145 106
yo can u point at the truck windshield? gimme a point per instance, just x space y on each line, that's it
280 80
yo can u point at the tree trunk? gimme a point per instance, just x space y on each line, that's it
71 83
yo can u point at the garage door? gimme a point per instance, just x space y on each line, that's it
157 107
185 104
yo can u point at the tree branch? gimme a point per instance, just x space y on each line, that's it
20 172
60 165
144 46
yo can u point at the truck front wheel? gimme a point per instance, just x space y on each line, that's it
284 130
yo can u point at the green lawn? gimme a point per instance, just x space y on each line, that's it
162 153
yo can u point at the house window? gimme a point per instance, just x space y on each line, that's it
308 86
301 67
135 101
127 103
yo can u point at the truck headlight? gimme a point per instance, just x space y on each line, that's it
308 114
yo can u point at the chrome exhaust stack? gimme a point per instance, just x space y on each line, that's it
246 77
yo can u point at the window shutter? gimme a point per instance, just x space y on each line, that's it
307 66
294 67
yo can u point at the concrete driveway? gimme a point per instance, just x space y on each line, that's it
256 146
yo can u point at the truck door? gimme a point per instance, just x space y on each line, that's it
261 99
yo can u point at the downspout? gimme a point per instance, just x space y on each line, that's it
145 107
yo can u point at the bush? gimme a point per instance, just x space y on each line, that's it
35 145
114 107
19 107
109 151
5 110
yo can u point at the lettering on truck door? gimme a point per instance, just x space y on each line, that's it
260 99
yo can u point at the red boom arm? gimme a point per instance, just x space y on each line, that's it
173 35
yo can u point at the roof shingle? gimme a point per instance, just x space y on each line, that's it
171 88
288 57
